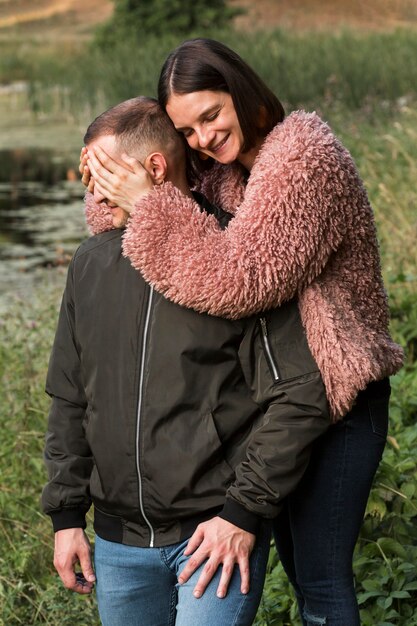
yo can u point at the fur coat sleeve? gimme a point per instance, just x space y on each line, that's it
291 218
98 216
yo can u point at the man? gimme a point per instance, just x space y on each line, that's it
153 422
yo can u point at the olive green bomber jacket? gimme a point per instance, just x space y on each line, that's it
152 418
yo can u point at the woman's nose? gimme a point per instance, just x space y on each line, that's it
205 137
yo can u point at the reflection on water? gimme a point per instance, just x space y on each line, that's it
40 226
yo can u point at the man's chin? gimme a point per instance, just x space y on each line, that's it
119 218
119 222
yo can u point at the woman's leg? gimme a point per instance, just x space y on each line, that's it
134 585
326 510
235 609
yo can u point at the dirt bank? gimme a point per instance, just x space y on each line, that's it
66 19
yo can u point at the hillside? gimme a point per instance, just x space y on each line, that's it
72 18
328 14
52 18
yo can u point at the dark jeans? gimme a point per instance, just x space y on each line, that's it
316 532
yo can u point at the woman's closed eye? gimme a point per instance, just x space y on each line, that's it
212 117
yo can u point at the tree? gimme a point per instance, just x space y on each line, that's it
157 17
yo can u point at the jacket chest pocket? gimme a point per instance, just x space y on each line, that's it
284 344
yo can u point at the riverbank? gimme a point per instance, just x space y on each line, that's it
23 127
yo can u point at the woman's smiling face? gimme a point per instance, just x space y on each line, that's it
209 122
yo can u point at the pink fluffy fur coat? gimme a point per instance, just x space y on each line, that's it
303 227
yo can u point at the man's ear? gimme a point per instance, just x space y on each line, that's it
156 165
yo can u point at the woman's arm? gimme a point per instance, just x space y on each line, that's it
292 218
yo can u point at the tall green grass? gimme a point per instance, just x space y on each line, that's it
29 592
386 154
304 69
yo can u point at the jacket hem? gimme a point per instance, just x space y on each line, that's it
118 530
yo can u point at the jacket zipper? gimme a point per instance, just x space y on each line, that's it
268 351
139 411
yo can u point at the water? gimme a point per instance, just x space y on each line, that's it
41 224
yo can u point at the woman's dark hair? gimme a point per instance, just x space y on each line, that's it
206 64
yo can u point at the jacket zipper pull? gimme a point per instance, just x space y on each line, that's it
264 326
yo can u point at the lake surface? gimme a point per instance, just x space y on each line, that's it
41 224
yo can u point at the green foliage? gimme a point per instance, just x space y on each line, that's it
386 154
312 70
386 553
278 605
345 71
29 593
320 68
137 19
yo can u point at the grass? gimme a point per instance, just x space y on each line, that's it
365 86
308 69
29 593
386 154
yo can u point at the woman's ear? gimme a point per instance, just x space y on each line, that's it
156 165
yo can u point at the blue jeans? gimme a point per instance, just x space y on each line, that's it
316 532
138 587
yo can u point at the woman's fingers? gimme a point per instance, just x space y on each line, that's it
90 186
84 170
135 165
98 170
83 160
108 183
101 191
123 182
105 170
108 163
86 176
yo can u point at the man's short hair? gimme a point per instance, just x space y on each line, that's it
140 126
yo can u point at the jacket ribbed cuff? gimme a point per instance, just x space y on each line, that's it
68 518
236 514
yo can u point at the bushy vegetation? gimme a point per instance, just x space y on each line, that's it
140 18
322 70
366 86
29 593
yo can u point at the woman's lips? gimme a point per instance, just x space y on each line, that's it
220 145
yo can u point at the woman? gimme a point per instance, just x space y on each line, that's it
303 228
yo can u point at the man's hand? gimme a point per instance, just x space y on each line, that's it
71 547
220 543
